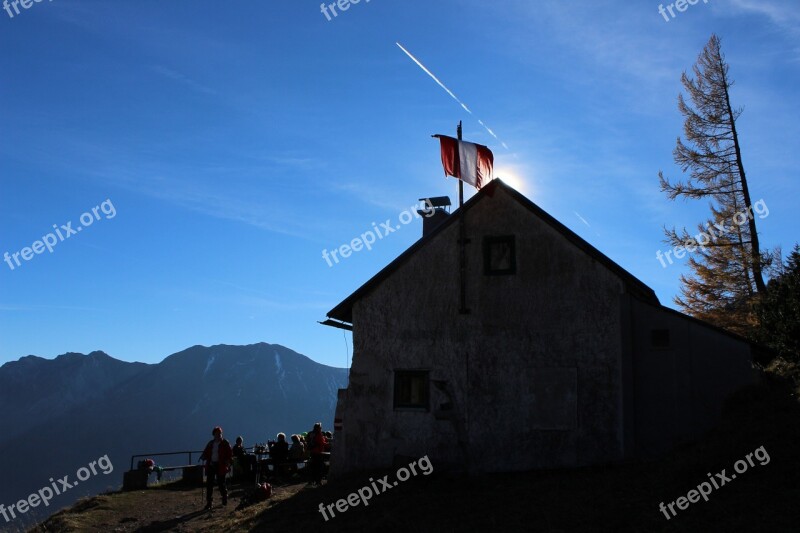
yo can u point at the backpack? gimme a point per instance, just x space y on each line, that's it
263 492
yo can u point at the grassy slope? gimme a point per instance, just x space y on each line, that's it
620 498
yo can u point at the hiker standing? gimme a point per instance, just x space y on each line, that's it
218 456
317 442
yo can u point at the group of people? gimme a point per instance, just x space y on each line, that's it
301 447
219 455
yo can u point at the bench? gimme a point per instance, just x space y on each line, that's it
291 466
138 479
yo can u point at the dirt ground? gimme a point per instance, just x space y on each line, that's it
172 507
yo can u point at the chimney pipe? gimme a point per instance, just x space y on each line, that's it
433 213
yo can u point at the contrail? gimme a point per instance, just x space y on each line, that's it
582 219
429 73
487 128
443 86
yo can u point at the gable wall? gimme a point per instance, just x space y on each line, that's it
530 378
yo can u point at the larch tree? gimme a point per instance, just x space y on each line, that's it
725 258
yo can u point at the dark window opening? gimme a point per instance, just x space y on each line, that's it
499 255
411 389
659 338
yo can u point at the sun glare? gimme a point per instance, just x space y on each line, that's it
514 179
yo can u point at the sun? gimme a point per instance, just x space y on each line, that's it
513 178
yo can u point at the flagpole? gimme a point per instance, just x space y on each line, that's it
460 182
462 241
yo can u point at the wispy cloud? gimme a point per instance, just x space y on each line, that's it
783 14
264 215
226 192
177 76
37 308
248 296
620 44
371 195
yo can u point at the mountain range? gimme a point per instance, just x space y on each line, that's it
62 414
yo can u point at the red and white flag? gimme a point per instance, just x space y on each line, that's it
469 162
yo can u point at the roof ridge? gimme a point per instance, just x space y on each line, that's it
344 313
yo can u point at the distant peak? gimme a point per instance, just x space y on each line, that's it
78 355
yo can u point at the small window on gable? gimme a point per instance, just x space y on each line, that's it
411 389
499 255
659 338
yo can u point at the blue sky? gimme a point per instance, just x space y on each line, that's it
235 141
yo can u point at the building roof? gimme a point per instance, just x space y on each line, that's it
344 311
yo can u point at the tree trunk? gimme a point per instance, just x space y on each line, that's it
755 249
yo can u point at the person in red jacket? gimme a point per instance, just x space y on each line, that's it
218 456
317 442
